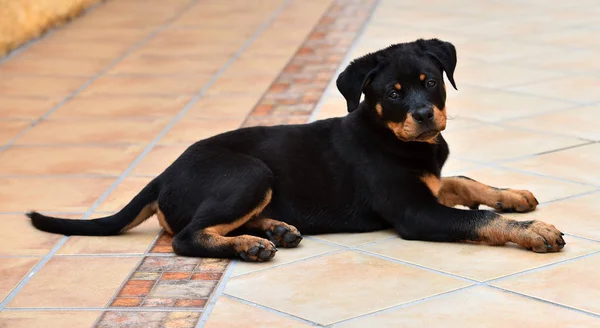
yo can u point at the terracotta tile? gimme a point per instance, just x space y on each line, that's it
146 85
168 264
573 284
494 75
202 36
188 49
105 19
472 307
191 130
255 64
52 286
354 239
183 289
495 105
59 87
168 65
490 143
577 216
136 319
123 107
126 301
206 276
223 106
54 66
228 313
136 288
135 241
25 108
107 35
48 319
245 84
159 302
492 262
332 106
212 265
93 131
51 194
10 129
575 164
67 160
12 271
182 319
176 276
158 159
578 122
307 248
190 303
18 237
162 249
335 283
568 88
82 50
544 189
123 194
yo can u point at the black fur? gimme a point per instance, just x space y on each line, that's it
349 174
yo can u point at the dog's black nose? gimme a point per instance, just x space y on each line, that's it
423 115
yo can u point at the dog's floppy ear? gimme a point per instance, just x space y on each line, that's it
445 54
352 81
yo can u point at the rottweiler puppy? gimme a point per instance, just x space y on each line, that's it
246 192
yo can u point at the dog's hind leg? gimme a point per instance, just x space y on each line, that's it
280 233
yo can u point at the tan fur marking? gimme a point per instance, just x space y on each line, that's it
398 86
144 214
379 109
163 221
535 235
422 77
432 182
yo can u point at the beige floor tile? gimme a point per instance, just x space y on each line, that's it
495 105
495 50
158 159
123 194
135 241
564 60
479 262
48 319
229 313
105 132
12 271
67 160
354 239
51 194
578 122
495 75
19 237
568 88
223 106
455 166
544 189
332 107
490 143
10 129
147 85
50 87
338 287
25 108
476 307
573 284
577 216
576 164
307 248
457 123
94 278
123 107
191 130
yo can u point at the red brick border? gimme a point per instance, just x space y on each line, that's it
181 287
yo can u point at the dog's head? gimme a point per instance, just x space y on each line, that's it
403 86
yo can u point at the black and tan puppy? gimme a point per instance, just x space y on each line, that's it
245 192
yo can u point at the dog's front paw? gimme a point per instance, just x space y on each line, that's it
538 236
512 200
254 249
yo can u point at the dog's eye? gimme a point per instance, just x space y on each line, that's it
430 83
393 95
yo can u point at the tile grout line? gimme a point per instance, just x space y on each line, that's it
217 292
46 258
135 46
271 310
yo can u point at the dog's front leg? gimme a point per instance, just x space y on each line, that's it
432 221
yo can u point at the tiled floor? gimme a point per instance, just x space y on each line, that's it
92 111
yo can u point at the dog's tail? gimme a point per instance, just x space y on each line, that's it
133 214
